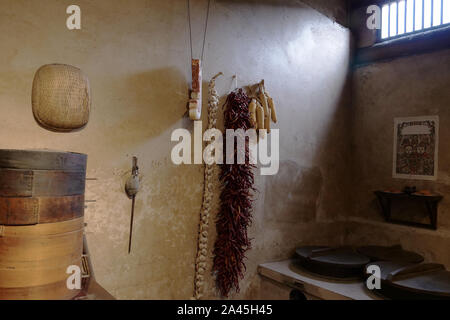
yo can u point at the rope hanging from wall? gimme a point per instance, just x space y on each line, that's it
202 245
204 31
195 97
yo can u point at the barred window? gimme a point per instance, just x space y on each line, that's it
404 17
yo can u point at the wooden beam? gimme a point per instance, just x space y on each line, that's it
356 4
432 40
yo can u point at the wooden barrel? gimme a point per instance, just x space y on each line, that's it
41 222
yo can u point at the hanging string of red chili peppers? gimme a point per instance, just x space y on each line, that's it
236 199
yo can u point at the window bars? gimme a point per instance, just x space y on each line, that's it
403 17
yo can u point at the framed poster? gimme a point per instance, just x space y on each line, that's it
416 148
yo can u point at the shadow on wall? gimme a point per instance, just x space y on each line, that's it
140 106
319 193
161 97
334 156
293 193
334 9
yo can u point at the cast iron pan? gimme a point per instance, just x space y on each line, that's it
342 263
410 281
394 253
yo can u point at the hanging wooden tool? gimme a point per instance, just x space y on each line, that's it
132 188
195 101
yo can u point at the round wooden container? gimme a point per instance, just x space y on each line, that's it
41 222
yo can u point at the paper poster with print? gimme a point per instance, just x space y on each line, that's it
416 148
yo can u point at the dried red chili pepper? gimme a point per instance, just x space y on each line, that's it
236 199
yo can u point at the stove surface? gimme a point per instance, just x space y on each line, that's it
287 273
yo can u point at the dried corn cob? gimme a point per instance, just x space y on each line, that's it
267 122
260 117
252 110
273 112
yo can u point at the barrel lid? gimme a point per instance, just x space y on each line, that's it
387 267
394 253
435 283
332 257
42 159
39 150
425 280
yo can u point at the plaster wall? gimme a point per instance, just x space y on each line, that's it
404 87
136 55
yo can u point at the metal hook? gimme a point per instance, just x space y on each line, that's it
135 169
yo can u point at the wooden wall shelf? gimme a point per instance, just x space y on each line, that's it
385 199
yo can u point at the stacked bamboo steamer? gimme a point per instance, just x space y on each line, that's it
41 222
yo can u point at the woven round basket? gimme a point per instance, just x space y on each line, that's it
61 97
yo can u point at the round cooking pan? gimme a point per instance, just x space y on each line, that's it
409 281
341 263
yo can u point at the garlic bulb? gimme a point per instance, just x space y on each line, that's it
202 252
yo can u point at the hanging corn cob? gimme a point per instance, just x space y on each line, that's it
252 110
202 247
260 118
273 112
262 108
270 104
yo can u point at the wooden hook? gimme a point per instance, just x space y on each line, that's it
235 78
217 75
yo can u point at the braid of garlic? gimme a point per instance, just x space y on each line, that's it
202 250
